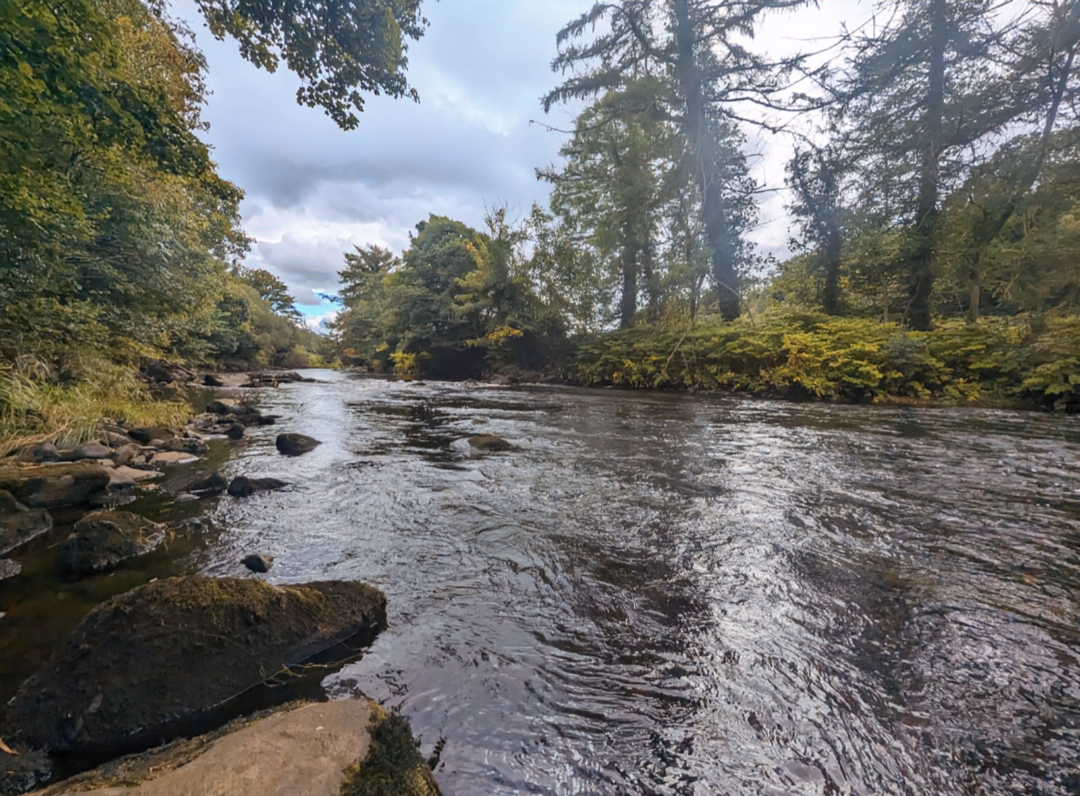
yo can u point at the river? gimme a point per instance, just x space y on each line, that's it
675 594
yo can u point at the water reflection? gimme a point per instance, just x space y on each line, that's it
668 594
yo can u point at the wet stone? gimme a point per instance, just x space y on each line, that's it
296 444
174 649
104 540
258 563
19 524
9 568
242 486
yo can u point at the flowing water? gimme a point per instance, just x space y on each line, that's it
670 594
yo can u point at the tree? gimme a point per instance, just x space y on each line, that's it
338 50
611 186
698 42
815 176
921 95
273 291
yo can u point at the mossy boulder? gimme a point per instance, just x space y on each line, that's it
143 666
19 524
105 539
51 486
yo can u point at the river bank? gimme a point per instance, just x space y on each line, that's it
97 521
649 589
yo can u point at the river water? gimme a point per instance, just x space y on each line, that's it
675 594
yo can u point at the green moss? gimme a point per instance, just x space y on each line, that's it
393 766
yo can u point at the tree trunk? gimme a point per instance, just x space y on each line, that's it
922 273
830 296
652 284
628 305
703 149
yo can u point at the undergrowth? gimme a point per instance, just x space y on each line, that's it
40 403
1032 361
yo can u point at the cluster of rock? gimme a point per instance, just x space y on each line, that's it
44 477
104 693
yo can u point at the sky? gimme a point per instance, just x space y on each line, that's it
314 191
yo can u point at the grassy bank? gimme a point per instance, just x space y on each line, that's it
1029 361
40 404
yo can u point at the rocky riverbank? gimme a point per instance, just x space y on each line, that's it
182 657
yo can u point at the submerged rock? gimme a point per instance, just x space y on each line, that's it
51 486
242 486
142 663
9 568
235 432
19 524
192 445
296 444
105 539
258 563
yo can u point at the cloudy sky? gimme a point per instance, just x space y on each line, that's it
313 191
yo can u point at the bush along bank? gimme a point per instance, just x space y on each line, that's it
1029 362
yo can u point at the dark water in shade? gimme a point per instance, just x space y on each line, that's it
668 594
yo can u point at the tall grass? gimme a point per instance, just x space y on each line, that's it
37 404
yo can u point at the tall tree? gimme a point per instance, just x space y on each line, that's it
922 93
701 43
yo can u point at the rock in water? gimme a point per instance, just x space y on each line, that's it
242 486
19 524
210 380
196 483
235 432
9 568
258 563
489 442
91 450
142 662
149 434
105 539
50 486
296 444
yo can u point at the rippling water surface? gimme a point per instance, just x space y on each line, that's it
668 594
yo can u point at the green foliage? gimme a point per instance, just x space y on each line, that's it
338 50
454 288
810 355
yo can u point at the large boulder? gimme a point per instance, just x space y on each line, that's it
50 486
19 524
144 664
105 539
296 444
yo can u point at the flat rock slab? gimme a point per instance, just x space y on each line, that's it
51 486
173 457
303 751
173 649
